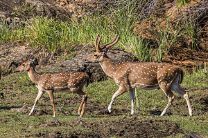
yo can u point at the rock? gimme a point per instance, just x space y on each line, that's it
47 8
14 53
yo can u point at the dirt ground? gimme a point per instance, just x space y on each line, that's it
124 127
97 122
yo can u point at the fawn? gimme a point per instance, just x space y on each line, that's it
50 82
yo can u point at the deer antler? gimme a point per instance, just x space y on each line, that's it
97 43
114 41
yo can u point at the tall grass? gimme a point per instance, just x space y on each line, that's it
182 2
170 36
190 32
166 38
53 35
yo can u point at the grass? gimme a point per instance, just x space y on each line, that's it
190 32
182 2
196 80
19 90
54 34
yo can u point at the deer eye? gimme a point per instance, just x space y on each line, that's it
23 65
95 55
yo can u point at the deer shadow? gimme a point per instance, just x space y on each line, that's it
2 107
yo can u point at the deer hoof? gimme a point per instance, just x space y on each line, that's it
109 110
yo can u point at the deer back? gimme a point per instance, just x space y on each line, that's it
63 80
146 74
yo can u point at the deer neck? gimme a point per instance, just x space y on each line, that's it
108 66
33 75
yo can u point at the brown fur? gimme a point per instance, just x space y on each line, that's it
50 82
131 75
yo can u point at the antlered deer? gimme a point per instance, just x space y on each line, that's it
131 75
50 82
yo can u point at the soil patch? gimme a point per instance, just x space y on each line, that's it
123 127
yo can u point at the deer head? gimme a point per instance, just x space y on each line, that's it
101 51
26 65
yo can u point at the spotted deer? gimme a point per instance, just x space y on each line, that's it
51 82
131 75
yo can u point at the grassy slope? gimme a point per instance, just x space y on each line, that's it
18 90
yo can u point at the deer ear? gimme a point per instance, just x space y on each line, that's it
105 50
34 61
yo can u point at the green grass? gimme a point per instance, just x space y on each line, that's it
190 32
18 90
54 34
196 79
182 2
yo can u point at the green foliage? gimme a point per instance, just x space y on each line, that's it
182 2
163 44
46 32
196 79
124 17
141 50
165 40
53 35
169 37
189 31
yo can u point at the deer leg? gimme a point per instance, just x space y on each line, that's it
170 100
120 91
82 105
186 97
40 93
50 93
169 94
132 96
184 94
